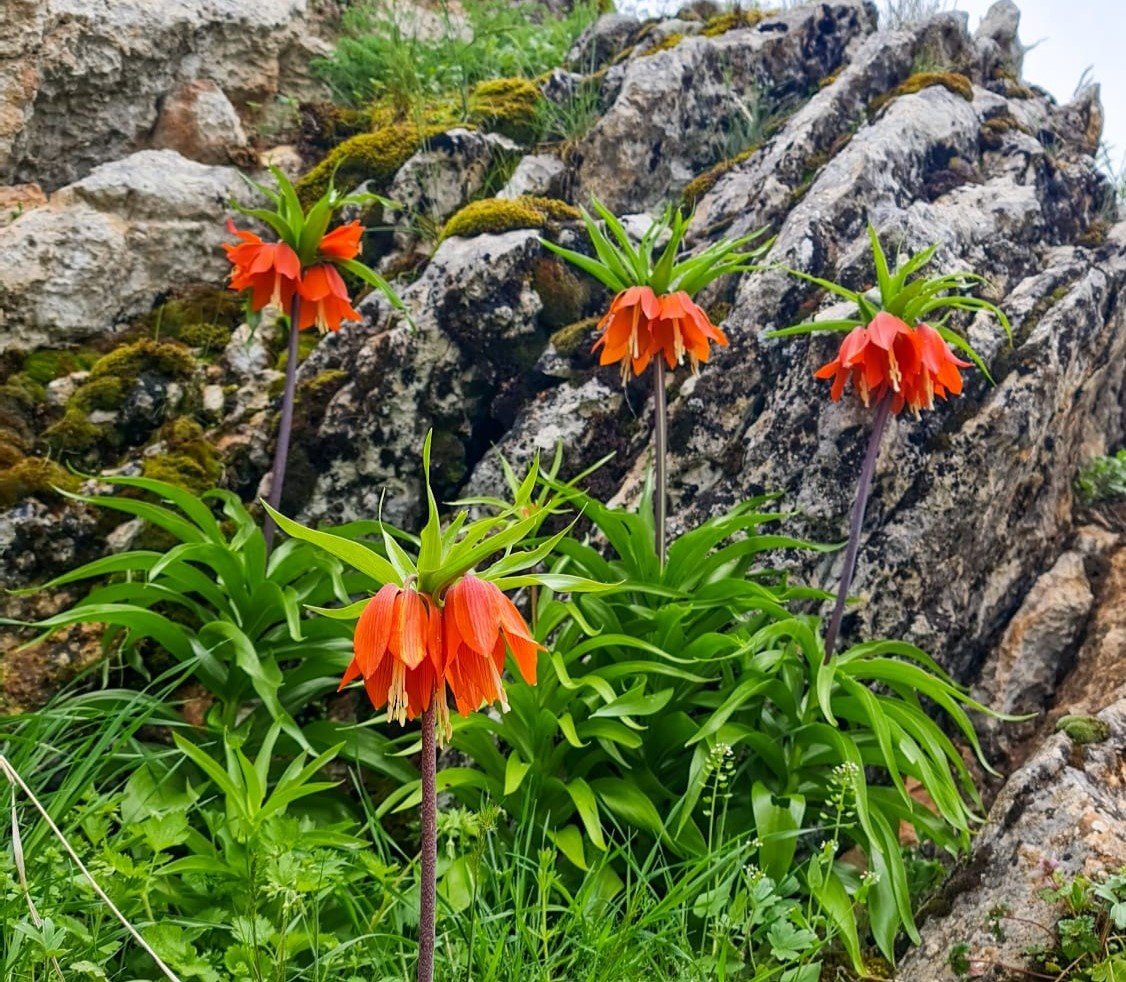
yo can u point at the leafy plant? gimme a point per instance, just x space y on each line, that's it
218 605
691 703
1103 479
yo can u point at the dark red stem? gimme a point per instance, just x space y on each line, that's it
856 524
426 903
285 428
661 453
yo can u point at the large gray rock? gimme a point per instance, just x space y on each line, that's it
676 109
103 249
81 82
1062 812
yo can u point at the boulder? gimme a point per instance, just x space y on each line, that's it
198 121
1060 815
104 248
81 83
537 174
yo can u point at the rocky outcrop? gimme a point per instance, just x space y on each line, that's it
677 110
1062 813
81 83
106 247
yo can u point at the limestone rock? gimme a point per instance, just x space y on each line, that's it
999 28
600 42
81 82
198 121
1062 812
106 247
537 174
676 108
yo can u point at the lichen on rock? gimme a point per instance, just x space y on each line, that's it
494 215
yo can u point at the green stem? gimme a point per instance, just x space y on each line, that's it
661 452
285 428
856 524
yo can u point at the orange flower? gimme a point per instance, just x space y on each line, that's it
343 242
325 299
641 325
478 622
915 364
270 270
684 328
627 334
397 651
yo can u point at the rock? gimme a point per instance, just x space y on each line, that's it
39 541
1060 813
537 174
106 247
198 121
17 199
464 371
81 82
213 399
449 172
1037 650
998 28
286 157
660 132
61 389
599 43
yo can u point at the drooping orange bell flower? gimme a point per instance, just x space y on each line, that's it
641 325
270 270
479 622
397 651
914 364
684 328
343 242
325 300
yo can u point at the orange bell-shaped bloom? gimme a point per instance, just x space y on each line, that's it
398 652
627 334
913 364
325 300
479 622
343 242
684 329
270 270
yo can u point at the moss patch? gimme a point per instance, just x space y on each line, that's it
371 157
700 185
106 393
47 365
189 460
509 106
1095 234
168 358
209 337
34 477
564 294
951 81
73 434
568 340
495 215
665 44
733 20
1084 729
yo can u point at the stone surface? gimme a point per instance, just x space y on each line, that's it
107 246
599 43
81 82
1064 811
537 174
198 121
663 129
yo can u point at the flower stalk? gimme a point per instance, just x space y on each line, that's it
660 451
429 822
856 523
285 428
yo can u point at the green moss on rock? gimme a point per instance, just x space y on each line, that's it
495 215
168 358
733 20
47 364
209 337
665 44
700 185
107 392
951 81
568 340
74 433
509 106
188 461
34 477
1084 729
371 157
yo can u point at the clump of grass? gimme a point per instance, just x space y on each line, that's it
1103 479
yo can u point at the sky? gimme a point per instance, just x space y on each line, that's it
1068 37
